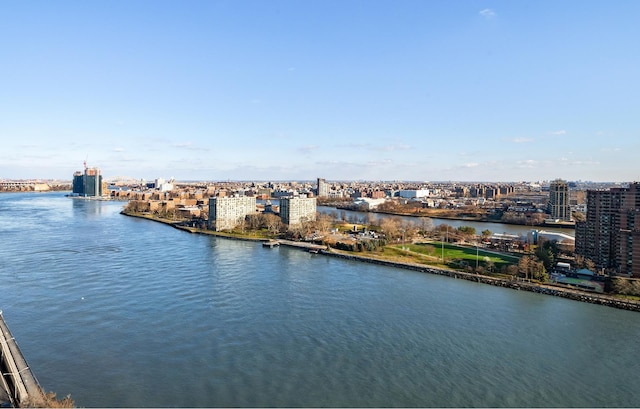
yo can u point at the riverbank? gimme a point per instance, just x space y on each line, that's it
514 284
446 215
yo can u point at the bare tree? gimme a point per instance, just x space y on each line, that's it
242 223
524 265
307 227
254 221
426 224
371 220
324 222
391 226
410 229
272 223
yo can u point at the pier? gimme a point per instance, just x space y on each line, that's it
18 387
271 243
311 247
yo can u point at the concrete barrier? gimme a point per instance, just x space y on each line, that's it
23 388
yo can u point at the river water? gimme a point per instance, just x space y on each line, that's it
124 312
366 217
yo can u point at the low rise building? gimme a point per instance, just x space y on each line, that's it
366 203
414 193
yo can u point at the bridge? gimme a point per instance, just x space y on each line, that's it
18 386
23 185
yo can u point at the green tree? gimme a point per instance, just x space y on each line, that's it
467 230
532 269
545 256
539 272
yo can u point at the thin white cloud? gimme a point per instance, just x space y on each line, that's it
521 140
118 149
487 13
308 149
355 145
376 148
382 162
585 163
560 132
530 163
188 146
471 165
398 147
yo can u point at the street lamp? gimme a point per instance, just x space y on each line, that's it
447 236
403 239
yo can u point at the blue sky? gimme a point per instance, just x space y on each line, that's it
345 90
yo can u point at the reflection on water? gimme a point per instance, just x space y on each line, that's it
367 217
124 312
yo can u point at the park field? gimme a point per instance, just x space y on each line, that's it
445 254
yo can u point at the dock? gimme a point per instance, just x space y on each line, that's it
310 247
18 386
271 243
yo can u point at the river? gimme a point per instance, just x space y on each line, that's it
365 217
125 312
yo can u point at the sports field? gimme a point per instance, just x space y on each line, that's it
449 253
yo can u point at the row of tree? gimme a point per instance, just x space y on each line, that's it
393 230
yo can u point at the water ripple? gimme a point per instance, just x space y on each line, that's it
122 312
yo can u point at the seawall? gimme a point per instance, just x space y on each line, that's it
22 387
512 284
500 282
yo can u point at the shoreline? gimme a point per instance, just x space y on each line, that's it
546 289
460 218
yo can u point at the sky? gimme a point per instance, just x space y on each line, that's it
423 90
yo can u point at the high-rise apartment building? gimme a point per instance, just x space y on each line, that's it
225 213
610 236
88 183
323 188
294 209
559 200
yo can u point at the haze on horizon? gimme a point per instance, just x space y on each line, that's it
345 90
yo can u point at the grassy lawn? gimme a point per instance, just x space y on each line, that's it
433 252
396 253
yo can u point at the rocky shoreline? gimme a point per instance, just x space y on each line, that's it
512 284
546 289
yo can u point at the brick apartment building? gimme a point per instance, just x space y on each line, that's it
610 236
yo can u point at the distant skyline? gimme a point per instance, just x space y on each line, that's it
344 90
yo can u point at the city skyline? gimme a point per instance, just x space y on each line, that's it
281 90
